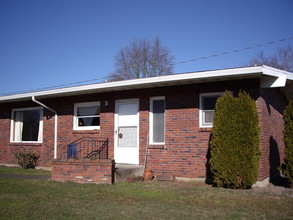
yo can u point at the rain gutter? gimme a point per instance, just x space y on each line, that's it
55 127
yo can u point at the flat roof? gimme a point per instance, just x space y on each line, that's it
273 78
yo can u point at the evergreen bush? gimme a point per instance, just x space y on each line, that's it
287 168
27 159
235 150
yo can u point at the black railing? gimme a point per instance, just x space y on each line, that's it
88 148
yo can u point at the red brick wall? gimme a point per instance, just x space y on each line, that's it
271 105
66 134
7 149
186 148
98 171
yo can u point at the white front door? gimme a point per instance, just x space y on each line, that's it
126 148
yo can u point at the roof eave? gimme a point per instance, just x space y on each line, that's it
186 78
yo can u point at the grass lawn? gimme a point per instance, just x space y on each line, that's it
42 199
18 170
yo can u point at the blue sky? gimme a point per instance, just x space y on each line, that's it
46 43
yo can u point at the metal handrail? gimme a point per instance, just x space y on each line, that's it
88 148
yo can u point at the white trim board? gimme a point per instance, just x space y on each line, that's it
185 78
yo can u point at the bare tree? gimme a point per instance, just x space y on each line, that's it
282 59
142 58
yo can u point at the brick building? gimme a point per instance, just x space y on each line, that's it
167 117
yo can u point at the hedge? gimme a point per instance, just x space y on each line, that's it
287 168
235 150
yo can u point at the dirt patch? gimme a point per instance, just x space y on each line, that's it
268 190
275 190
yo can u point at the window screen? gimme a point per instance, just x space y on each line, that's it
158 121
87 116
208 105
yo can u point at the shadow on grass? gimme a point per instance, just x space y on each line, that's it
275 163
209 173
280 181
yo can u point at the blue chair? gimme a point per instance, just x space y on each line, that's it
71 151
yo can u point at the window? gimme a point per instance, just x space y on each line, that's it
86 116
157 120
27 125
207 108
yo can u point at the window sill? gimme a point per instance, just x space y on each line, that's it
87 128
25 144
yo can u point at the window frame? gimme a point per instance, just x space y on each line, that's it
151 142
75 117
202 124
12 123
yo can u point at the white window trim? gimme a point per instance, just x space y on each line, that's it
40 138
201 96
151 120
75 118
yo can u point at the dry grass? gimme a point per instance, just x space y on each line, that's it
40 199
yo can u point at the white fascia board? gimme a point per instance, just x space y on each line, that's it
273 82
274 77
139 83
270 71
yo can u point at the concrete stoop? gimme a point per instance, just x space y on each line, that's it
122 171
261 184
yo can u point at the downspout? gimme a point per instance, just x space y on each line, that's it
56 121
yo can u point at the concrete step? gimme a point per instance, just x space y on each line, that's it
122 171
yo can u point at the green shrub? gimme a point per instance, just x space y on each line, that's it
287 168
27 159
235 150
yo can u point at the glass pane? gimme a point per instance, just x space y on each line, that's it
31 122
89 121
209 116
158 120
88 111
209 103
128 137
